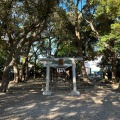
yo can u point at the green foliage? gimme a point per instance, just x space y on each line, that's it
107 16
27 17
107 12
67 49
3 56
113 38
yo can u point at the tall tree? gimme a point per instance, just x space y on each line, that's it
105 25
73 25
79 41
22 22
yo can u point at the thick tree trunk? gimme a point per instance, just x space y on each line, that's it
16 74
11 60
22 71
25 60
83 69
77 33
5 79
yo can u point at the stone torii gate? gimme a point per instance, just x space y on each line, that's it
47 90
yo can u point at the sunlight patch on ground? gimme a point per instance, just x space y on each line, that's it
51 116
97 100
31 105
100 94
8 109
115 86
33 91
28 106
45 102
58 115
54 109
116 103
72 114
113 118
2 93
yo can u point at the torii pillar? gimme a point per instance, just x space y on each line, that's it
74 92
47 91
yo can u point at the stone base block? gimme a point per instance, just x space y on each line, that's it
75 93
47 93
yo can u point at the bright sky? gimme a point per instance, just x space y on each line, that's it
93 64
81 3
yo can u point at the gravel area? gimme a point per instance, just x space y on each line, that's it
26 102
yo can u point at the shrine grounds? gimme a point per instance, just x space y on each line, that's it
26 102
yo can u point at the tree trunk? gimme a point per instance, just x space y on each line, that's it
77 33
34 71
11 60
27 70
35 66
119 86
16 74
114 68
5 79
25 59
22 71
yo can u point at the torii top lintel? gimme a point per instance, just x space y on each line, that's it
65 58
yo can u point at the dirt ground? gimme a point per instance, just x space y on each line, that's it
26 102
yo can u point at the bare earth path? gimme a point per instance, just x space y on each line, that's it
28 103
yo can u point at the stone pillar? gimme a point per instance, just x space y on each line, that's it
47 91
74 91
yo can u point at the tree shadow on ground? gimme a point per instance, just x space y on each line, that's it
92 104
